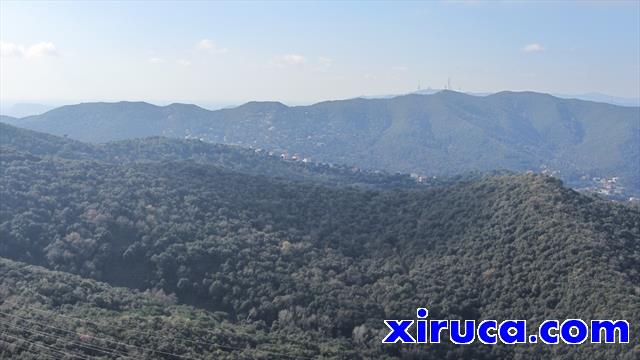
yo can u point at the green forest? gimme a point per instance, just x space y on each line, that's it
219 252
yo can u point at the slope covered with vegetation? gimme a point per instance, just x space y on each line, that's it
239 159
45 313
330 262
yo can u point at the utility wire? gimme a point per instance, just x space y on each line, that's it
25 349
70 341
203 342
47 347
96 337
60 350
99 348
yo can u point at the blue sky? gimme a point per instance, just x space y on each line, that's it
298 52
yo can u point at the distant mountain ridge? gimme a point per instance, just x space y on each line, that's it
604 98
444 133
591 96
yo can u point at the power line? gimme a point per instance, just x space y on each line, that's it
95 337
47 347
63 351
27 349
228 347
80 344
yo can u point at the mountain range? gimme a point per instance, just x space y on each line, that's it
591 96
441 134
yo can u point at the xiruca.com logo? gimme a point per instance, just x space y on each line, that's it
491 332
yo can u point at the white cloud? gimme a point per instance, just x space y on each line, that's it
41 49
325 61
535 47
210 46
184 62
205 44
294 59
9 49
157 60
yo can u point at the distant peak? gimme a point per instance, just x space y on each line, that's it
522 96
109 103
448 91
526 92
183 106
255 105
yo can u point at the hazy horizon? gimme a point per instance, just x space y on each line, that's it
231 53
7 107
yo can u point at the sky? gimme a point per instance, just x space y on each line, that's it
304 52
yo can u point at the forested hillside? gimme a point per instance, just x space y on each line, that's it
71 317
243 160
446 133
329 263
